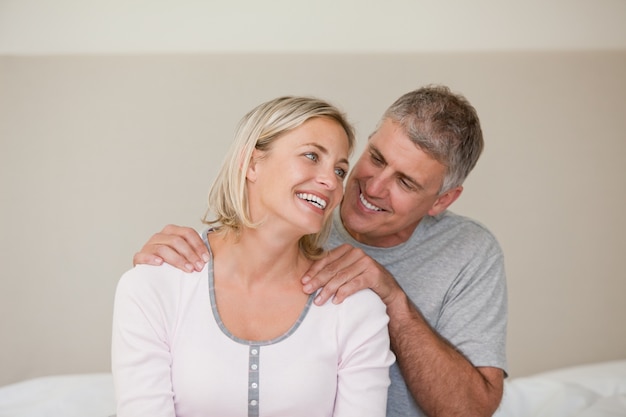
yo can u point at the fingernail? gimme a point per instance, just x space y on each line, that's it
199 266
188 267
205 257
307 288
318 300
306 279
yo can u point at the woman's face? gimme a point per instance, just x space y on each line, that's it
297 183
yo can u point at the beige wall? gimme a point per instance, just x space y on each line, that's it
99 152
319 26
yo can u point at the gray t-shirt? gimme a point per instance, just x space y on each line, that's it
452 268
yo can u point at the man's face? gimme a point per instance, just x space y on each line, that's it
392 186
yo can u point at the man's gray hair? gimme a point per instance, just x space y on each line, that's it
444 125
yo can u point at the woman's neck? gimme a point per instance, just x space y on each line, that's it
254 257
257 284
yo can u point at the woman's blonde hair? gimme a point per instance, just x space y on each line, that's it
259 129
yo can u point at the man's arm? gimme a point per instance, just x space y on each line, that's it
179 246
441 380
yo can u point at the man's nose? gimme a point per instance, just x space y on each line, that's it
378 185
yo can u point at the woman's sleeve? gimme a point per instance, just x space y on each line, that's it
140 354
363 377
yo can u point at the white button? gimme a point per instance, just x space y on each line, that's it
254 385
254 351
254 367
253 403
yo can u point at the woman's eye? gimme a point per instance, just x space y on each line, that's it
312 156
341 173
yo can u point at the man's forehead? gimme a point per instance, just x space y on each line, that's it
398 146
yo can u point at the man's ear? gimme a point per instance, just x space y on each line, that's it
445 200
252 171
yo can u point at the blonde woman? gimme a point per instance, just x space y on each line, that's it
240 337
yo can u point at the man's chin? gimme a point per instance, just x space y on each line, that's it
349 208
355 219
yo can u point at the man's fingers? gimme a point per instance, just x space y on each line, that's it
345 271
344 283
347 289
146 259
185 247
174 258
359 272
181 247
324 269
192 238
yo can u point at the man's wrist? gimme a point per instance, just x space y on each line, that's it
398 305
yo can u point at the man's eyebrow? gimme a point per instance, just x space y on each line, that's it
374 150
325 151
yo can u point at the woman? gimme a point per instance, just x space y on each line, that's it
240 338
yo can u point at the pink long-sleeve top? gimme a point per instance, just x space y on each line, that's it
172 356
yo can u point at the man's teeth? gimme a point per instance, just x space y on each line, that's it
368 204
313 199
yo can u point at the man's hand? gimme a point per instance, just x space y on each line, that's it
346 270
179 246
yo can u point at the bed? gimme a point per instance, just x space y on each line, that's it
596 390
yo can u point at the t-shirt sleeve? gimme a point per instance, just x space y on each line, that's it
474 313
365 357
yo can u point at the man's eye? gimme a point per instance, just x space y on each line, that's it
312 156
377 160
341 173
406 184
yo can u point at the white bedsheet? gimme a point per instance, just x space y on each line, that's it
597 390
84 395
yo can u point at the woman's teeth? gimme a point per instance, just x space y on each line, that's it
313 199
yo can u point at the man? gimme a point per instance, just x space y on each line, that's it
440 275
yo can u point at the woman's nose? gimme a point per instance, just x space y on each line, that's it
329 178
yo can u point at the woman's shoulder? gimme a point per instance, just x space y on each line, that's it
365 297
361 319
367 300
148 274
156 279
359 306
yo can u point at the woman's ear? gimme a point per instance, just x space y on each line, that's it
253 166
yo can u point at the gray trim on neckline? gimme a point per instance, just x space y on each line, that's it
254 346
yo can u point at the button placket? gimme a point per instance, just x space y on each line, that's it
253 380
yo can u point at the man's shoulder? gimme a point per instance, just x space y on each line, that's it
448 218
458 224
455 236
